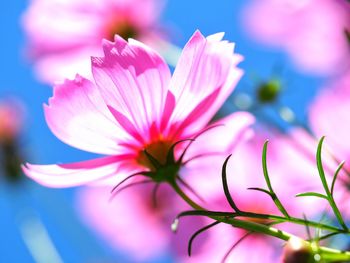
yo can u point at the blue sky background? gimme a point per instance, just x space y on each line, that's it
74 242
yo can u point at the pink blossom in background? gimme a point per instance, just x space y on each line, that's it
329 116
311 31
135 105
63 34
133 209
11 119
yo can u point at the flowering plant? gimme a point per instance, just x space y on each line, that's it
152 126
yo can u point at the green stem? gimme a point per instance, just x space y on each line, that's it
325 186
293 220
268 182
187 199
328 254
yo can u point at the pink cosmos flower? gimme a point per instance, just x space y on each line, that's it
152 234
63 34
311 31
135 112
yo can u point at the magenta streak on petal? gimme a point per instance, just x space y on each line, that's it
91 164
73 174
153 132
168 109
197 112
126 124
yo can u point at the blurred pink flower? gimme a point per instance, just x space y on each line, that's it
63 34
150 226
132 223
11 113
311 31
329 116
136 105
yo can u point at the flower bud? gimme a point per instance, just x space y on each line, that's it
297 251
268 91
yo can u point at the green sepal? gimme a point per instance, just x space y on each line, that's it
313 194
225 186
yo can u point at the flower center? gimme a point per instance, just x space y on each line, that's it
123 28
159 150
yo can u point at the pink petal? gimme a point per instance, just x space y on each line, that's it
222 139
209 151
133 79
77 115
74 174
168 110
126 124
185 126
206 64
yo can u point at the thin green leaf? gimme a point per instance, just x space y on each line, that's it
129 177
205 213
264 164
234 246
329 235
307 227
260 189
313 194
115 193
325 185
189 250
336 176
170 156
268 182
201 155
225 186
190 188
195 137
320 166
